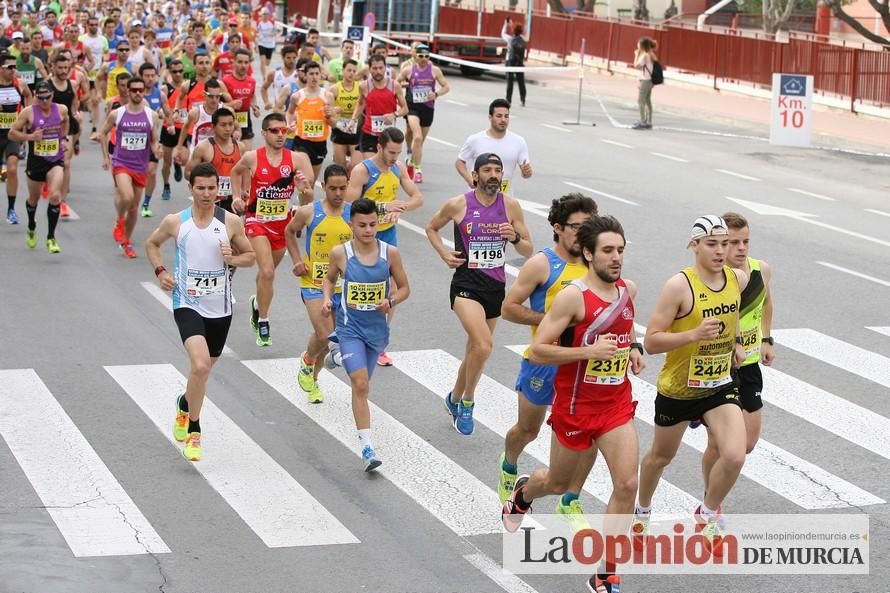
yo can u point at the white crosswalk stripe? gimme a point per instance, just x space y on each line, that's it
413 465
274 505
837 353
89 506
437 369
801 482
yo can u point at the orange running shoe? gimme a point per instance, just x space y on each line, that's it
63 210
118 233
44 191
128 250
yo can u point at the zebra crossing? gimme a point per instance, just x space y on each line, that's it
97 517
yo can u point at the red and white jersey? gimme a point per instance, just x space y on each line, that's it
595 386
272 184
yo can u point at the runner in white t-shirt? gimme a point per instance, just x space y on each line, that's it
511 148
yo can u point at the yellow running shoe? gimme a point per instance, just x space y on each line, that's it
506 481
31 238
306 376
53 246
192 450
573 514
713 536
181 424
316 396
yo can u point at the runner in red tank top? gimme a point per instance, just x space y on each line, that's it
275 175
242 87
381 101
588 331
220 151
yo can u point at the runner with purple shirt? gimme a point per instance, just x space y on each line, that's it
44 125
484 221
138 132
420 77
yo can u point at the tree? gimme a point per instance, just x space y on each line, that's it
776 14
322 16
641 11
882 7
586 6
556 5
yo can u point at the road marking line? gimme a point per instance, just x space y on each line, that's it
854 273
542 210
89 506
612 120
417 468
881 330
837 353
444 142
878 212
669 157
614 143
510 269
436 370
739 175
601 193
811 194
557 128
162 297
505 579
829 412
458 103
272 503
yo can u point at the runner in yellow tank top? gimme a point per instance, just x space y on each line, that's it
310 111
327 225
365 181
344 96
696 322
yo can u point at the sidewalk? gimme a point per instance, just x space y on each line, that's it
831 127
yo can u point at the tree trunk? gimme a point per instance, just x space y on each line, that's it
321 19
586 6
556 5
641 11
882 9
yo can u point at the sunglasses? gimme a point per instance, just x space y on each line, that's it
424 56
120 49
277 130
9 66
139 90
176 71
44 97
211 96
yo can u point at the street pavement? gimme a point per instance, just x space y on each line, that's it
94 498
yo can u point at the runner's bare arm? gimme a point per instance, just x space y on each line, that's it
156 134
675 301
447 213
103 137
203 153
397 271
415 197
767 351
402 110
443 82
306 185
281 99
66 121
296 224
567 309
168 229
637 361
358 177
462 170
524 247
264 89
533 274
18 131
246 256
243 169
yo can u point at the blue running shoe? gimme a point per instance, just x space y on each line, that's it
370 459
452 408
695 423
12 217
165 195
464 421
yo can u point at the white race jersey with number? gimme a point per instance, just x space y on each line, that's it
203 282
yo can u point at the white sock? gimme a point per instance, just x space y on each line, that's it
707 513
643 511
260 319
364 437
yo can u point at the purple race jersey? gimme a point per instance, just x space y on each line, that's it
478 237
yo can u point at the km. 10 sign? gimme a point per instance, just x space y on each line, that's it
791 113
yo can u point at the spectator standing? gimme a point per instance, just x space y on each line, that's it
644 61
516 45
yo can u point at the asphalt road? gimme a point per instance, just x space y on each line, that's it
105 355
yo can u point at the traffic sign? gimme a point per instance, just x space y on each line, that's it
791 112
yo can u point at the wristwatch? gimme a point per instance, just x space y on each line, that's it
637 346
516 240
769 340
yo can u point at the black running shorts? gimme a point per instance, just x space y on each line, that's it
213 329
670 411
491 300
750 379
316 151
423 112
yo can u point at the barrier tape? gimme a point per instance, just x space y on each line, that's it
448 59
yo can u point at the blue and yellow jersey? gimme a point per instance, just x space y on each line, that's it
562 274
323 234
382 187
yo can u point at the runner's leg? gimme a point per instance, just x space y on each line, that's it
665 443
479 346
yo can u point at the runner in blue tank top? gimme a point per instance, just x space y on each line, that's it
484 220
366 265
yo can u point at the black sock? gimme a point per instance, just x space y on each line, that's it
166 185
194 426
11 202
32 212
52 214
183 403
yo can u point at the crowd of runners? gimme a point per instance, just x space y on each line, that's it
174 87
